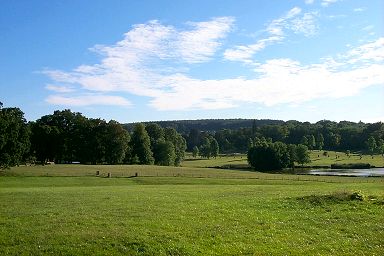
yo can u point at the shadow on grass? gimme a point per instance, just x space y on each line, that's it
337 197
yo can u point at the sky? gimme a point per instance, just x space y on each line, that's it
142 60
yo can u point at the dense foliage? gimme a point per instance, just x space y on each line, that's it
268 156
65 137
68 137
234 135
14 137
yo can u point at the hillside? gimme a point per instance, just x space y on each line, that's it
211 125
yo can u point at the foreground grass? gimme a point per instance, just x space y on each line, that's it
188 216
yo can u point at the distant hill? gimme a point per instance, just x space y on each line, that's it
211 125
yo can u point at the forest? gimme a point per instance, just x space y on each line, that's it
70 137
235 135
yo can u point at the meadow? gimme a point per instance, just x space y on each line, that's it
68 210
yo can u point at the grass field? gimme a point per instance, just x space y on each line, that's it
67 210
318 159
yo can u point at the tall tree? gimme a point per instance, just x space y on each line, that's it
250 143
269 157
380 146
14 137
214 147
165 153
117 139
302 154
195 151
155 133
371 144
179 143
311 142
141 145
320 141
304 141
205 148
292 151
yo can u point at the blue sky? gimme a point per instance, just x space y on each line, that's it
306 60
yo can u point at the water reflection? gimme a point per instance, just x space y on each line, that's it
348 172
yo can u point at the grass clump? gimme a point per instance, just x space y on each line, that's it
337 197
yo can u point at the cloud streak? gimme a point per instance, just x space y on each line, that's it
276 32
153 60
88 100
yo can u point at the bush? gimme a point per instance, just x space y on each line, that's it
357 196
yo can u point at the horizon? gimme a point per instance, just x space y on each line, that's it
307 60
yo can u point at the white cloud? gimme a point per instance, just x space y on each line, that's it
88 100
276 32
281 81
135 64
200 44
326 3
360 9
368 28
305 25
60 89
148 67
373 51
309 1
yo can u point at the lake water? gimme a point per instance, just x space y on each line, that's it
348 172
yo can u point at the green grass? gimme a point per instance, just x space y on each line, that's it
318 159
237 160
67 210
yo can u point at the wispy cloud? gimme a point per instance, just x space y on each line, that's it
309 1
136 64
326 3
359 9
60 89
276 32
281 81
88 100
152 60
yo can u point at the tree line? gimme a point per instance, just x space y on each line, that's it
69 137
328 135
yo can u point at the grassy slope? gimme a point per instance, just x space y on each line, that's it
222 212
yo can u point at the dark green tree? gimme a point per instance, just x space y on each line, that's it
380 146
195 151
304 141
179 143
371 145
141 145
320 141
165 153
14 137
311 142
269 157
155 133
250 143
292 154
302 154
214 147
117 139
205 148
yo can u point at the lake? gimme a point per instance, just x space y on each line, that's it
348 172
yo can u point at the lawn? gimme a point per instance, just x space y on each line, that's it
316 156
334 157
204 212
